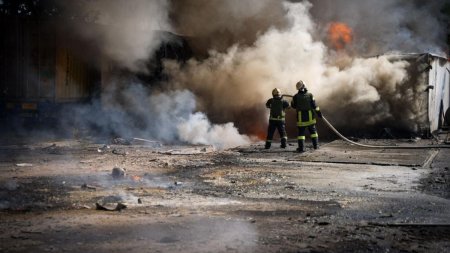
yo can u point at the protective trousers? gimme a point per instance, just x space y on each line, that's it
302 137
273 125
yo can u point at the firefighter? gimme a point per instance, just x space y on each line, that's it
277 106
307 110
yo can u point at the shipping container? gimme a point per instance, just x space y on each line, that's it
39 72
429 79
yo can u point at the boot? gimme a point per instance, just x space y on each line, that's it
283 143
301 146
268 144
315 142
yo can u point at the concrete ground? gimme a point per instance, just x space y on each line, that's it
340 198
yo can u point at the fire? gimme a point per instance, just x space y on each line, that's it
339 35
136 178
259 133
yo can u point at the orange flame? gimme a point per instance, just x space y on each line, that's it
259 133
339 35
136 178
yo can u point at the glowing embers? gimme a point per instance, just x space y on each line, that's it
259 133
339 35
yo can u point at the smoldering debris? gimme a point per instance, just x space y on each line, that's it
120 141
103 148
119 207
190 151
151 143
88 187
119 152
118 173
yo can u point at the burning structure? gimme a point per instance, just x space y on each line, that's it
221 86
432 74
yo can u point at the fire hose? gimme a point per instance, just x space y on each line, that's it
379 146
375 146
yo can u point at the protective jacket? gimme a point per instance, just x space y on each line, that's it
277 117
306 108
277 107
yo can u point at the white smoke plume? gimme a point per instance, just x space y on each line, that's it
351 90
247 48
128 34
197 129
171 117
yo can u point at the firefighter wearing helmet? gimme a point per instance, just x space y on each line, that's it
307 110
277 106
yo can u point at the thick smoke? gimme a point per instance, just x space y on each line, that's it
133 111
126 32
384 26
245 49
351 90
217 25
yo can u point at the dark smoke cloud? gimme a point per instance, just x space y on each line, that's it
218 25
386 26
125 32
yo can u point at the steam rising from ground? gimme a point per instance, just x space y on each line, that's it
170 117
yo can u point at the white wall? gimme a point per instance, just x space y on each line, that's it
439 77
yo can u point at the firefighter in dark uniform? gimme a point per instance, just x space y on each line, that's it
277 106
307 110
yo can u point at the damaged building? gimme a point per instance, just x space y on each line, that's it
430 85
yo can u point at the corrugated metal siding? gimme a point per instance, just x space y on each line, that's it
27 61
36 65
73 78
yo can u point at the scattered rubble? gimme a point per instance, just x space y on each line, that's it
118 173
119 152
103 148
279 201
151 143
89 187
24 164
119 207
120 141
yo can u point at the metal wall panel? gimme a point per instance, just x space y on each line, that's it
27 56
439 95
73 77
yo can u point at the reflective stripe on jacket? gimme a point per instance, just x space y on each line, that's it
305 104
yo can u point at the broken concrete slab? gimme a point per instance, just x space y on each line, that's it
340 152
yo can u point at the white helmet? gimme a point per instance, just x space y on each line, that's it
300 85
276 92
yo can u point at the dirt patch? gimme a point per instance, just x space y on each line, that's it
194 199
